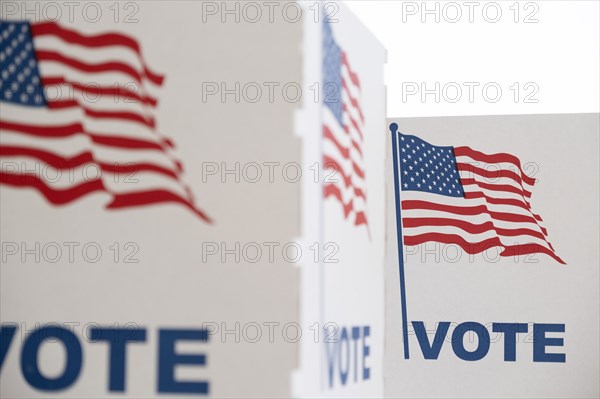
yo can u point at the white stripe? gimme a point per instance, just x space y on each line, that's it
45 117
104 79
89 55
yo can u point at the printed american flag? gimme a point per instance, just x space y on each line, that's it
457 195
78 119
343 139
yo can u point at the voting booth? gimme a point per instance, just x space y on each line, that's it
480 320
205 199
192 200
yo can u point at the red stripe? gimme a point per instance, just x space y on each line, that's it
332 164
54 196
100 91
357 191
344 152
353 75
496 187
468 247
352 122
123 115
493 158
496 201
469 211
328 134
331 190
361 218
502 201
353 101
132 144
492 174
526 249
70 163
77 128
112 66
64 196
478 247
102 40
152 197
472 228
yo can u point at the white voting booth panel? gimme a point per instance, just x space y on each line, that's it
555 354
342 294
234 307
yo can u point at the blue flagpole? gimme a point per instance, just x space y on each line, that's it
394 130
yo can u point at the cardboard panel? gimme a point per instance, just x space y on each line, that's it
444 284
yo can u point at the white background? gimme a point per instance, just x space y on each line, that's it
559 53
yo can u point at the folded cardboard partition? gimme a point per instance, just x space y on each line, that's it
497 275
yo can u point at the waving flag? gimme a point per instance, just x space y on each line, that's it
342 132
78 118
461 196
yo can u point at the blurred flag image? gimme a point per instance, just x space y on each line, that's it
343 138
83 106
